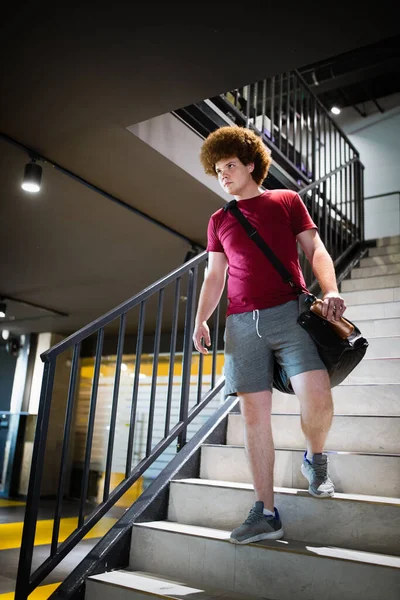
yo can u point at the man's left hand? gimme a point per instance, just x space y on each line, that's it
333 306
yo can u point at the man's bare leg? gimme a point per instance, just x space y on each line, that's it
316 406
259 444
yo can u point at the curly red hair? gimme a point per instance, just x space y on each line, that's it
230 141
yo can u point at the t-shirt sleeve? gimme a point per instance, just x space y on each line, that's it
213 242
300 217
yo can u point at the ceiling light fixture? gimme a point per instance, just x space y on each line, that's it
3 310
32 177
5 334
335 110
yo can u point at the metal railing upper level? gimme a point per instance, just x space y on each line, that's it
305 141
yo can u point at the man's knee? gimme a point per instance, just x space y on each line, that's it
311 383
256 407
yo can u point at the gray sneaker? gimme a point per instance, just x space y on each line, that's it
258 527
316 472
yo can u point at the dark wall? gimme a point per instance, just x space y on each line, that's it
7 371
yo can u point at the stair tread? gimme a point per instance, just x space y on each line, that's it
285 545
344 416
160 585
347 452
289 491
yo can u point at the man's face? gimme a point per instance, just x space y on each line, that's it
233 175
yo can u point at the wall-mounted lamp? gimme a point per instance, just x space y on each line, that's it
3 310
32 177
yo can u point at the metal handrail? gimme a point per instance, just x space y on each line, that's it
122 308
27 581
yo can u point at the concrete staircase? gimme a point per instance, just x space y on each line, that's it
347 547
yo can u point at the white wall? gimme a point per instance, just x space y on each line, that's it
376 137
179 143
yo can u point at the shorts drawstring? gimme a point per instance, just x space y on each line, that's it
256 318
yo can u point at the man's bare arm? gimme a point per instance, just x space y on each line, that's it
210 295
324 271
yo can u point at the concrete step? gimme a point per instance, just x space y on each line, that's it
383 347
372 296
388 241
375 271
382 250
136 585
386 259
380 435
379 327
363 312
351 472
283 569
363 399
370 283
358 522
375 370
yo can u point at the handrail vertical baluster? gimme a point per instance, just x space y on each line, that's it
90 430
200 378
172 352
114 407
187 353
22 587
65 447
272 108
264 100
135 390
156 353
295 85
288 116
280 111
215 346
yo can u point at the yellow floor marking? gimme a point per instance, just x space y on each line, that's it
11 533
4 503
41 593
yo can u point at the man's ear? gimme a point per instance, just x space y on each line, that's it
250 167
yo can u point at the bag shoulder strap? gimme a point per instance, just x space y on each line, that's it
258 240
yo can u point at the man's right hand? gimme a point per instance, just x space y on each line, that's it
201 330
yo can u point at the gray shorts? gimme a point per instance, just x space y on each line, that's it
252 339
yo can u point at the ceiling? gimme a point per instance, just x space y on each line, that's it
355 78
72 84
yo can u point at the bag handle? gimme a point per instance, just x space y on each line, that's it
258 240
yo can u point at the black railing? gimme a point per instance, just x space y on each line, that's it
305 141
169 287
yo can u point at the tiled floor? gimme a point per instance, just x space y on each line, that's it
11 522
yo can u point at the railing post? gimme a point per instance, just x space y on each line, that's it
22 588
313 140
362 202
187 354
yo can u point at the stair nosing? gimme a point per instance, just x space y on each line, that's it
338 496
165 580
274 544
347 452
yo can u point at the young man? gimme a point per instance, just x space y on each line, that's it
262 317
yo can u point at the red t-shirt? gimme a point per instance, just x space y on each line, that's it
253 283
